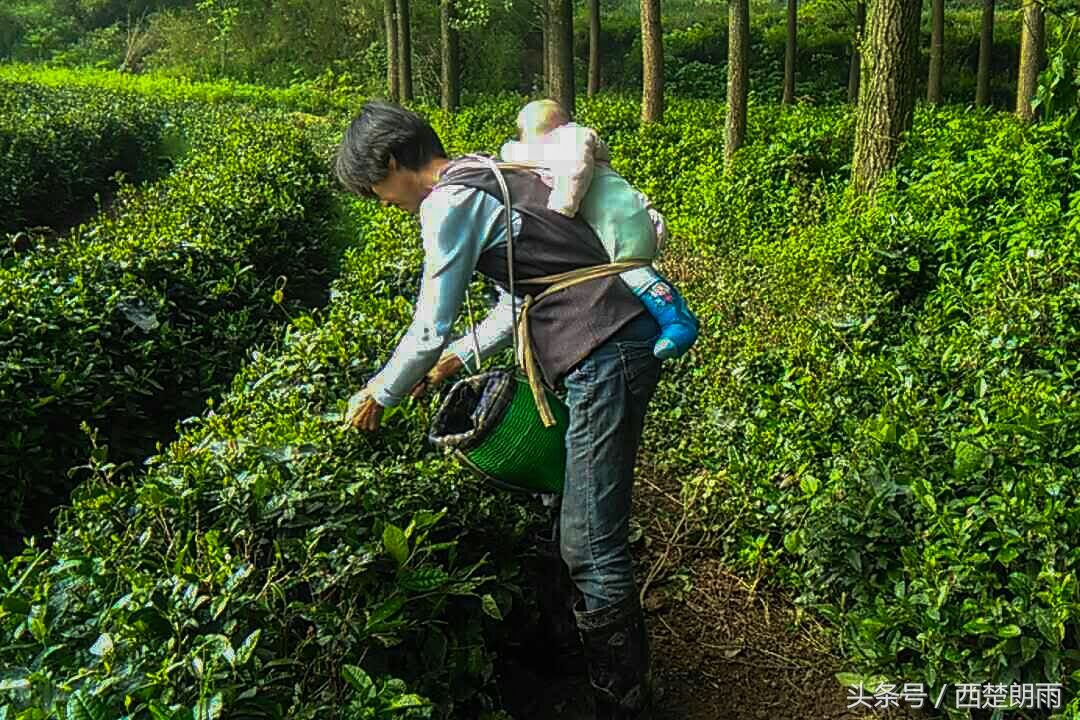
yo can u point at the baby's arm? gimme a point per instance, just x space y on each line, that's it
571 154
658 222
660 225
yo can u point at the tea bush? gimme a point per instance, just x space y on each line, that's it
312 97
59 146
970 438
336 551
267 555
881 414
883 409
129 323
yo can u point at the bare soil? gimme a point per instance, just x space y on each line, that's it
722 646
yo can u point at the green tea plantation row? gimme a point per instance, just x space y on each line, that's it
129 323
307 97
881 413
58 147
267 549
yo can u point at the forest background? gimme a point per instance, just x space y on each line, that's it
881 414
335 44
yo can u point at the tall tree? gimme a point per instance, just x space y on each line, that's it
1032 50
887 96
594 47
986 46
856 52
738 81
404 31
393 78
652 59
451 58
561 52
937 49
545 51
790 48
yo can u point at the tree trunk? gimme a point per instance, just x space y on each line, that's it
545 55
404 51
594 47
561 34
887 98
937 49
738 79
652 59
986 45
393 86
789 51
1032 48
856 52
451 58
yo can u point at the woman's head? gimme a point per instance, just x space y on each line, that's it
383 154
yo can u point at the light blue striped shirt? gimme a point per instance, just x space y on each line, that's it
457 224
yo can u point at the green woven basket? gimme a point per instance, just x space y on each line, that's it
491 423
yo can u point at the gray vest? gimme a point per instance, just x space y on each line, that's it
568 325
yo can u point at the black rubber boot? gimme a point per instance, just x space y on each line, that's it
617 654
555 598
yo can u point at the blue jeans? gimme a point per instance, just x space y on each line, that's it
608 393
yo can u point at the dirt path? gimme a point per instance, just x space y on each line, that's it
721 647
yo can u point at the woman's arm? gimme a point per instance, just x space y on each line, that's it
493 334
457 224
453 224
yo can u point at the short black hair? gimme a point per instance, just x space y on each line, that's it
383 130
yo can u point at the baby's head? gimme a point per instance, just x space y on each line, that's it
539 118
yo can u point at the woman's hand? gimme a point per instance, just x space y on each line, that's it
364 412
446 367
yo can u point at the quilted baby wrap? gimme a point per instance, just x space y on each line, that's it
575 163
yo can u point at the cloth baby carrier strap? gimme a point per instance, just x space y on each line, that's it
557 283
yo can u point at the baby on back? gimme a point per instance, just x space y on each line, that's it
575 162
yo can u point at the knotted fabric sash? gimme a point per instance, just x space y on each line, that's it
558 282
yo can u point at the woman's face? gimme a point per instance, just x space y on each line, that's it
401 187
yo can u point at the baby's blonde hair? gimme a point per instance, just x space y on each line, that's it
540 117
